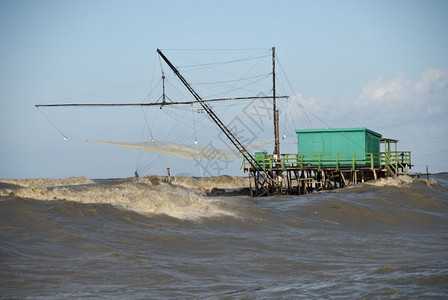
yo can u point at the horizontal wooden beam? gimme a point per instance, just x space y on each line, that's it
151 103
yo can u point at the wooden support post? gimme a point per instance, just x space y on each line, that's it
330 179
341 177
250 184
305 177
257 184
296 173
288 182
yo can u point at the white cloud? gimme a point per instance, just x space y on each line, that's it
412 111
433 80
385 91
425 98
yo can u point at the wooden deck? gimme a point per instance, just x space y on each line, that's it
296 174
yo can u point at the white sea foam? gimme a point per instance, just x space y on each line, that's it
211 182
171 200
400 181
47 182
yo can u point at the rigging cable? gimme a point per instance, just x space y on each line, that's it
242 88
196 64
253 67
292 90
152 81
52 123
146 125
148 96
233 80
197 144
223 62
194 126
216 70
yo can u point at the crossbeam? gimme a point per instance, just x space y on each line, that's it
153 103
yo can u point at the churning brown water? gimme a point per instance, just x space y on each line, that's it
78 238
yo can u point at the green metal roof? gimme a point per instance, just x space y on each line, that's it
352 129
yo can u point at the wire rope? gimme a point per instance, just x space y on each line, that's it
294 93
52 123
222 63
229 81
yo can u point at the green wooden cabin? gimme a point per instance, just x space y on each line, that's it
335 148
343 145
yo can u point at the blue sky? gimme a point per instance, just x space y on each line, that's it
376 64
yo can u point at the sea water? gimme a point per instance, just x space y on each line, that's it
122 238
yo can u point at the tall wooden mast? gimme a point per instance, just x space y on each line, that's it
274 104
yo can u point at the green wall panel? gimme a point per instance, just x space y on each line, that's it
338 140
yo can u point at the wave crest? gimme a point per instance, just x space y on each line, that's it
401 181
143 197
47 182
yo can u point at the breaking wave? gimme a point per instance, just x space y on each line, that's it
401 181
46 182
393 201
183 199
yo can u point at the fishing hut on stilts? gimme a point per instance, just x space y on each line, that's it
329 159
325 158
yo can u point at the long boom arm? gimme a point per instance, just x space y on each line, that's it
233 139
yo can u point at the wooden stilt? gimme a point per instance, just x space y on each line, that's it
342 179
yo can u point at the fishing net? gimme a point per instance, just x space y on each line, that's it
192 152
